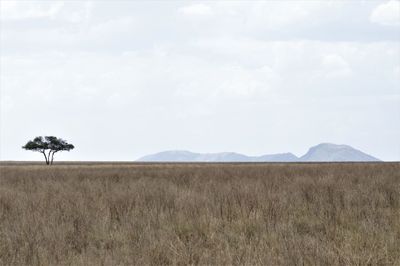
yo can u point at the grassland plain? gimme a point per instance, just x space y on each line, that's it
214 214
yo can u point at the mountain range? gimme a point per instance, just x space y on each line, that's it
324 152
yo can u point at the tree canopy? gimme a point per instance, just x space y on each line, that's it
48 146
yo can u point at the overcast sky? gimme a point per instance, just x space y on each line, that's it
122 79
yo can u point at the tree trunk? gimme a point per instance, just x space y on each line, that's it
48 157
45 157
52 157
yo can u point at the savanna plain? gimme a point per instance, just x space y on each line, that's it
200 214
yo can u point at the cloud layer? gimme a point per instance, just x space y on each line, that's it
252 77
387 14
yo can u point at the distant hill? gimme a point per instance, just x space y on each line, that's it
280 157
328 152
170 156
187 156
324 152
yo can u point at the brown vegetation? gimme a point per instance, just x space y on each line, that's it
220 214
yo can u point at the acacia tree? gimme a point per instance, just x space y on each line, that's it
48 146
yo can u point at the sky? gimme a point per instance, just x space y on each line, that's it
123 79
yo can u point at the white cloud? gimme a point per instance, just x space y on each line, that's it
387 14
275 14
335 66
69 11
6 103
244 16
196 10
76 12
114 26
16 10
396 72
246 84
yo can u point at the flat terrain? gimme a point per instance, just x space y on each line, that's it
220 214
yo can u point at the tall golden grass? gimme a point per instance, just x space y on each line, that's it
183 214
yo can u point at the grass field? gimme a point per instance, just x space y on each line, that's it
181 214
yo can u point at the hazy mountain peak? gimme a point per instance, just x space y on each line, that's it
323 152
172 155
329 152
279 157
330 146
187 156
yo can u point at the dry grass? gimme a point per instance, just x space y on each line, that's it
220 214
